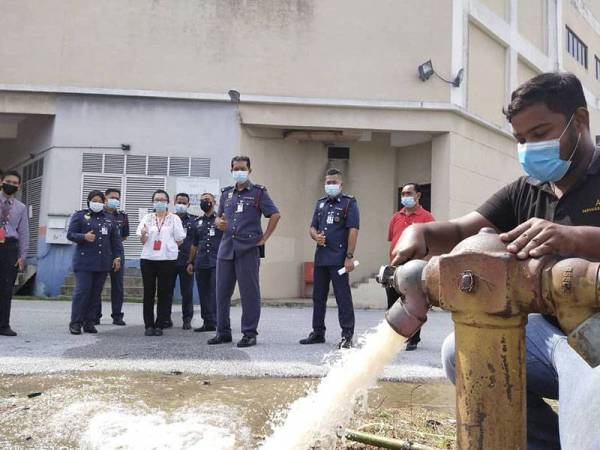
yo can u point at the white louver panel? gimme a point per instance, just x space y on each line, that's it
33 201
158 165
136 165
200 167
114 163
179 167
138 196
92 162
99 182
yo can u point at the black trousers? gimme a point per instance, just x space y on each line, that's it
9 253
392 296
157 277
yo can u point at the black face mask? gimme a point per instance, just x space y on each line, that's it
205 205
9 189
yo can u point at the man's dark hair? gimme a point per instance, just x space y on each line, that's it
95 193
560 92
417 186
111 190
161 191
13 173
208 193
183 194
240 158
333 171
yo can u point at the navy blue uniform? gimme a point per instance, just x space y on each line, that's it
206 240
186 281
117 291
239 257
334 217
92 261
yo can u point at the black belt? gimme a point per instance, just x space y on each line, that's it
10 240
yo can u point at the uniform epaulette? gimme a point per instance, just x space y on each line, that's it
260 186
323 198
348 195
227 188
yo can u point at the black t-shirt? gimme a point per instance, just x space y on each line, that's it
528 197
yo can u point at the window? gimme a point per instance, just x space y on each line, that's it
577 48
597 68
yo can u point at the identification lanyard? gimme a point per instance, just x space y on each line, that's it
159 225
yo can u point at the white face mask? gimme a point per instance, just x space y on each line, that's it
240 176
333 190
180 208
96 206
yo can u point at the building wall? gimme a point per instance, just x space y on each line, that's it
525 72
274 47
486 76
498 7
532 22
413 164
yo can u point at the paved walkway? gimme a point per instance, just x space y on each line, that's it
44 345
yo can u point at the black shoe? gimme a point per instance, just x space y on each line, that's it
346 342
89 328
119 321
247 341
158 332
75 328
313 338
149 332
168 324
205 328
218 339
7 332
411 346
187 325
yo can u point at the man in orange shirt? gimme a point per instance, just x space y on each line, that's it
412 212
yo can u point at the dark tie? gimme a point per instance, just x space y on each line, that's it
5 213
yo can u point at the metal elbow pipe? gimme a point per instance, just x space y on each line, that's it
409 313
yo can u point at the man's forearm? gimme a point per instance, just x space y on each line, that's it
352 238
273 220
587 242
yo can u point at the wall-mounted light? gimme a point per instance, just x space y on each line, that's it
426 71
125 147
234 96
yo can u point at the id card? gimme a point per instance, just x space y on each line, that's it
104 231
157 245
211 232
240 207
329 219
2 235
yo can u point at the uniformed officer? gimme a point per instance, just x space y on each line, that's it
334 227
113 203
240 209
186 281
98 251
203 258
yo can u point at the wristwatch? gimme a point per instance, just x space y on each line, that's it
350 255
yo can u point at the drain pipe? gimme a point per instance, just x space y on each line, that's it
490 293
382 442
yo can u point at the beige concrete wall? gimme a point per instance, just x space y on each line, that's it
486 89
294 174
413 164
594 7
524 72
334 48
532 17
498 7
573 19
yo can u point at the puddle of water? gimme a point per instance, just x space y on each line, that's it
137 410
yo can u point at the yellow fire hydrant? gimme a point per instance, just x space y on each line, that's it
490 293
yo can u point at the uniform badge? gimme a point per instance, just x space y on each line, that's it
200 222
230 195
337 219
321 205
87 217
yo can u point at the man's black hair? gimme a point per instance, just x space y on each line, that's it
161 191
333 171
13 173
208 193
240 158
183 194
95 193
111 190
561 92
417 186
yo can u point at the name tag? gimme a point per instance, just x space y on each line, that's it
240 208
104 231
329 219
211 232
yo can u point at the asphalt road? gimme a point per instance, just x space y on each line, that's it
44 345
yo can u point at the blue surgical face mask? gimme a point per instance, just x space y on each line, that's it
408 202
96 206
180 208
113 203
240 176
333 190
160 206
541 160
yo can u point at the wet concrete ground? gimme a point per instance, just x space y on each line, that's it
44 345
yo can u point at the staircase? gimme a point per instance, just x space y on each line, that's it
133 285
368 294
